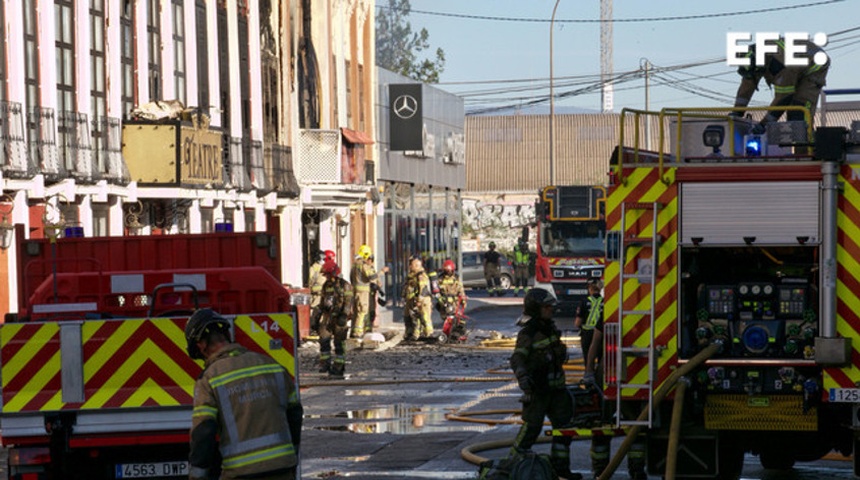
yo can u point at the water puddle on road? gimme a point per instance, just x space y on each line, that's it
398 419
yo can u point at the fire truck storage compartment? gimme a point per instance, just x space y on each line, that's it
749 262
768 213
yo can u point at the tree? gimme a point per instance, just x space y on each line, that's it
398 47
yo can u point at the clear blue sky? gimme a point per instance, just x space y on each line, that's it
510 41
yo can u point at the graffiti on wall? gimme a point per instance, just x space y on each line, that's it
479 215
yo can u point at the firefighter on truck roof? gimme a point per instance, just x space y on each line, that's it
247 419
792 84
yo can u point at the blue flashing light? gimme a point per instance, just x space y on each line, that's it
753 145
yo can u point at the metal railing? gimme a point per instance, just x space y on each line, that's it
710 113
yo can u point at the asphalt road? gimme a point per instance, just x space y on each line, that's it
401 412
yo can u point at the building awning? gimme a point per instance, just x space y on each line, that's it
354 136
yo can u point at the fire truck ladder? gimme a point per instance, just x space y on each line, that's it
624 316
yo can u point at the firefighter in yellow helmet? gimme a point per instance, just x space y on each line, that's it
363 278
247 418
418 302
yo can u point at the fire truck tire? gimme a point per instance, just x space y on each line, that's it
730 461
775 460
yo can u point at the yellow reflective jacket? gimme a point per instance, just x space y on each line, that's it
246 406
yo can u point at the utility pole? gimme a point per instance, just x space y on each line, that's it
606 89
552 101
646 65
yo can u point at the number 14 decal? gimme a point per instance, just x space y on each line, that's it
268 326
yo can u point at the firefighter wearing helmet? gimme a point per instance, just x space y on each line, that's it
451 291
364 278
492 274
226 419
418 305
537 362
316 279
792 84
336 305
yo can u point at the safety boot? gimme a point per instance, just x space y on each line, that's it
336 370
324 366
562 469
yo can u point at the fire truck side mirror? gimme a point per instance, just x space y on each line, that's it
613 246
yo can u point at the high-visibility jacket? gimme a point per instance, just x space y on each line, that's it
539 355
246 406
595 312
784 78
451 289
362 275
521 258
316 279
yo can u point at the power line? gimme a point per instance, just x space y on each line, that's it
612 20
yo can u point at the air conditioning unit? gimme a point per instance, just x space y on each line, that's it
454 148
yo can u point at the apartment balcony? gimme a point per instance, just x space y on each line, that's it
331 167
60 146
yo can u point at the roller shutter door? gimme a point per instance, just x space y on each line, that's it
772 212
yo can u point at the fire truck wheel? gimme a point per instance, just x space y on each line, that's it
731 461
775 460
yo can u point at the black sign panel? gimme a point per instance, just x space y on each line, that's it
406 118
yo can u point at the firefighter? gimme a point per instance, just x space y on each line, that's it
538 361
316 279
337 308
363 277
600 446
587 314
452 297
792 84
245 405
491 271
521 267
418 302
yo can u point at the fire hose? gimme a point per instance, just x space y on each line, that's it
659 395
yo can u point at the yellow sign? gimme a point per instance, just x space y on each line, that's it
200 151
173 154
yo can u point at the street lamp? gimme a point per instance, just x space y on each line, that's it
552 101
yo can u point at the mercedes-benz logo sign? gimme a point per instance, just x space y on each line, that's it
405 106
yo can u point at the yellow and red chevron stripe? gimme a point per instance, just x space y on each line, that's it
644 186
848 280
126 363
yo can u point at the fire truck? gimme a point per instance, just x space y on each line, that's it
571 231
732 287
96 382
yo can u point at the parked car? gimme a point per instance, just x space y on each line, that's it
473 271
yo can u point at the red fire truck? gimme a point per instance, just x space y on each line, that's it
732 285
96 382
571 233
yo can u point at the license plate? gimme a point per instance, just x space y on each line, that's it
577 291
150 470
847 395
